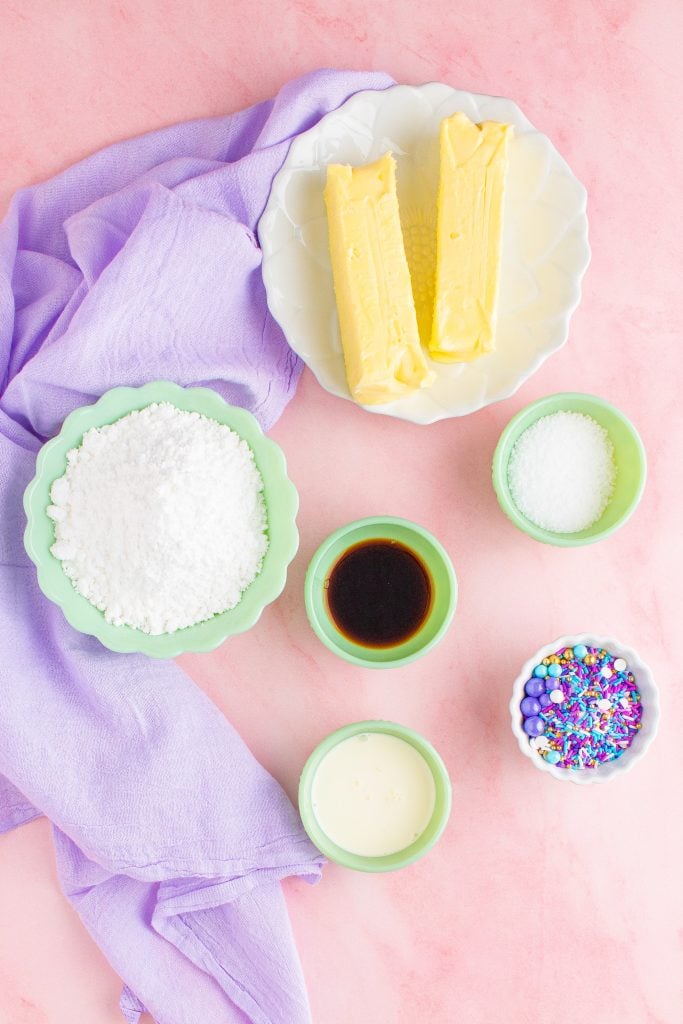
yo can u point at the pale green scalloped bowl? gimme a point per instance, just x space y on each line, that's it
281 500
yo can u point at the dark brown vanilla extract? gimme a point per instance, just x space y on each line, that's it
379 593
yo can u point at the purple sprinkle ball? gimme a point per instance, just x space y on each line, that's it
535 687
530 706
599 717
534 726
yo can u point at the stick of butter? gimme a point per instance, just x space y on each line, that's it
382 352
473 162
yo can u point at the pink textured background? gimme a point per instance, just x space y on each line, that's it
543 902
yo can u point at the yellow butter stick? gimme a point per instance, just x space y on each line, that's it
382 353
473 163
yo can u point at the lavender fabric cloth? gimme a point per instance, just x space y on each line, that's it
141 263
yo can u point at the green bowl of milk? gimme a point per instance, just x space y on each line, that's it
374 796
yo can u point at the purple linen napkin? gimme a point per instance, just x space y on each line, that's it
141 263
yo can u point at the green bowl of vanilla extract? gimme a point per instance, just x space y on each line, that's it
380 592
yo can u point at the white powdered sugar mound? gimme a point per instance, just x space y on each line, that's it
159 519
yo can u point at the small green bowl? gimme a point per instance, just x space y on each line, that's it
629 456
280 496
424 842
428 549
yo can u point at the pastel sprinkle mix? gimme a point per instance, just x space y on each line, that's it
594 711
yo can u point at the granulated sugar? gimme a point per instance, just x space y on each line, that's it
561 472
159 518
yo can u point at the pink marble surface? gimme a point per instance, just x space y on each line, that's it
543 902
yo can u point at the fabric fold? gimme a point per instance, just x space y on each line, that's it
140 263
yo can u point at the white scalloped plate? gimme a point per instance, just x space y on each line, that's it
545 243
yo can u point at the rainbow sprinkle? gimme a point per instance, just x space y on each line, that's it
581 707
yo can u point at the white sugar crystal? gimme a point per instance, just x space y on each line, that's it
561 472
159 519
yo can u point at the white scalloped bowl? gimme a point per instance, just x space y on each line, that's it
545 249
650 720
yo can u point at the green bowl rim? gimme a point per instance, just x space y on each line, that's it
321 552
499 472
118 402
393 861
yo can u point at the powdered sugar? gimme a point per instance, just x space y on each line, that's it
159 519
561 472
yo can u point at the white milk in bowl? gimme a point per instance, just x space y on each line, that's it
373 794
